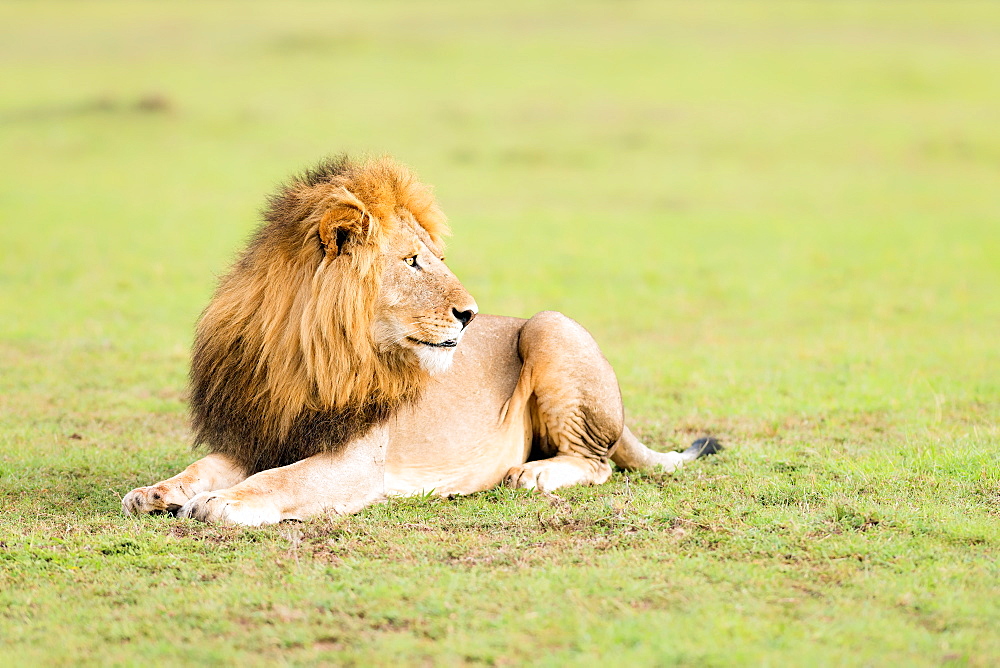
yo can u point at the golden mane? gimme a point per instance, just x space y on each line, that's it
284 363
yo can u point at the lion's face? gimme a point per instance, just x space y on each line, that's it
422 307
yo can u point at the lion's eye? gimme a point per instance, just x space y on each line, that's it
411 261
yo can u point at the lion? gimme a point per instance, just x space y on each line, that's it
341 362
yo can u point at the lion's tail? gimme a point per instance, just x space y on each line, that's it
630 454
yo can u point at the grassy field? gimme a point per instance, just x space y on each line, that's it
780 220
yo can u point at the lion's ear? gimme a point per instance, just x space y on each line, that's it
334 231
345 218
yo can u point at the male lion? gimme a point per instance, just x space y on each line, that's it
341 361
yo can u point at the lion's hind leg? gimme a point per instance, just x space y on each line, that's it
216 471
576 406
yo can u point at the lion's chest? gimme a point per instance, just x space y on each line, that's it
452 440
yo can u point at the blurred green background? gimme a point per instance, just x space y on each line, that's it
742 199
798 178
780 219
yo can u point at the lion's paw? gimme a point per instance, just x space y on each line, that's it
547 475
522 477
222 507
154 500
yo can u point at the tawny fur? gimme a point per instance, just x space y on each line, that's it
311 378
284 363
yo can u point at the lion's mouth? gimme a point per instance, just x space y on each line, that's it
450 343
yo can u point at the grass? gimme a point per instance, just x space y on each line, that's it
779 220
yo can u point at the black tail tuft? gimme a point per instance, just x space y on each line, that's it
703 447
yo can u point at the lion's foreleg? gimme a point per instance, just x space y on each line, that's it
215 471
343 482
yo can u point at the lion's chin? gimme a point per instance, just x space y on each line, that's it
434 360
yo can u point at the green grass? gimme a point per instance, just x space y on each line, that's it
779 219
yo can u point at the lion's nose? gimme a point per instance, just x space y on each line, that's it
464 317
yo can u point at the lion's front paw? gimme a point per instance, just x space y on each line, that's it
154 500
223 507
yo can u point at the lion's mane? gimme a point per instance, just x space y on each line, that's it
284 364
